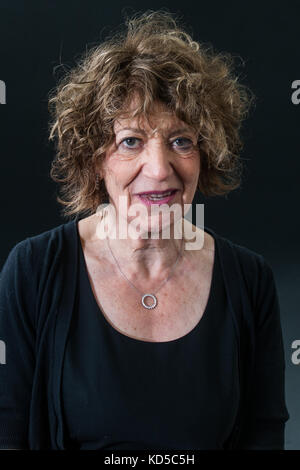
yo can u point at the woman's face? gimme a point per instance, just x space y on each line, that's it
156 156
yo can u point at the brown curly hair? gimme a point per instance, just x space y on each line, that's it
159 60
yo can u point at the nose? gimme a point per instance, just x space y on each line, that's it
158 162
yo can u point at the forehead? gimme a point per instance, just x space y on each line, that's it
161 119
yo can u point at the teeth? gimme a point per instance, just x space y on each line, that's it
156 196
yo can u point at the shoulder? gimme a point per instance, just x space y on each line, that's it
35 250
251 267
51 236
246 257
57 235
32 277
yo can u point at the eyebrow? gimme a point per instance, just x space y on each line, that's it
171 134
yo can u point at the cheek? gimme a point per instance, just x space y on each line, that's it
116 173
197 167
191 170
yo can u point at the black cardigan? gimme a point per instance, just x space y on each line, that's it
37 292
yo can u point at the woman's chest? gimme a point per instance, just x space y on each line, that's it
181 302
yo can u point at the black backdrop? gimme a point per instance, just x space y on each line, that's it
36 36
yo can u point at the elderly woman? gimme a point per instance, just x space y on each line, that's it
136 342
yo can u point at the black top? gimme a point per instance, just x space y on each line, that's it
119 392
38 285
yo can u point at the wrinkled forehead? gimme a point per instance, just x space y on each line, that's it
159 120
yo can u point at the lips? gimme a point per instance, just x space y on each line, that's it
157 193
152 198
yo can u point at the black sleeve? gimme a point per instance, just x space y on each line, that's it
266 413
17 337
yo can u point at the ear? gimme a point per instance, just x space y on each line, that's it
99 170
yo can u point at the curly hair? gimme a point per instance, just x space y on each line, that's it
157 59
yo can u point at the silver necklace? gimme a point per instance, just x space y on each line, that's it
144 296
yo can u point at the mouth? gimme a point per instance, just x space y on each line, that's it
157 198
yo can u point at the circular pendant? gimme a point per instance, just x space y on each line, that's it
154 301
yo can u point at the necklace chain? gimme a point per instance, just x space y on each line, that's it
180 253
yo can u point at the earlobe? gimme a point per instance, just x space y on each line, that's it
98 173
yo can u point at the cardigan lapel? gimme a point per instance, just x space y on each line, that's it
242 315
63 321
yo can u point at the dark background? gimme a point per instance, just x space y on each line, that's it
37 36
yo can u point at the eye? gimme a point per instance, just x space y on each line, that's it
130 142
183 143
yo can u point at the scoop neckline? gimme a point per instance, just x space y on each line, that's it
131 339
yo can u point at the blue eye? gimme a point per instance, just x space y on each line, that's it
184 143
130 142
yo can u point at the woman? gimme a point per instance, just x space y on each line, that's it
137 342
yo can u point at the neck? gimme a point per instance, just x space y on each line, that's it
146 258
